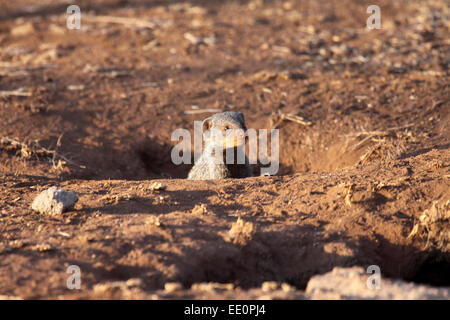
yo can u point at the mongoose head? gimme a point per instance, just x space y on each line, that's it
225 130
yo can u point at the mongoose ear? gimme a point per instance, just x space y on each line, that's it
207 124
241 117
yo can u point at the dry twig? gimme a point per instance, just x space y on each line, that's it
121 20
17 93
201 111
277 118
389 142
27 151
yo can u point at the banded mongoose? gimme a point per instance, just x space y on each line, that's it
224 133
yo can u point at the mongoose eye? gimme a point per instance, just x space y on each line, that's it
226 127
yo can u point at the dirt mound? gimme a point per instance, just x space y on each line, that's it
248 231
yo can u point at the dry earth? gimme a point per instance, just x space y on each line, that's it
364 182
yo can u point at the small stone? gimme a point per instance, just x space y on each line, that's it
22 30
200 209
117 286
75 87
406 171
336 38
269 286
153 221
56 29
42 247
286 287
288 5
265 46
54 201
212 286
170 287
324 52
133 282
158 186
352 283
193 39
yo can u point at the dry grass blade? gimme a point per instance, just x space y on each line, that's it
198 111
434 225
29 150
277 118
384 149
380 132
377 133
25 150
17 93
390 143
121 20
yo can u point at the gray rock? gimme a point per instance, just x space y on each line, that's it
351 283
54 201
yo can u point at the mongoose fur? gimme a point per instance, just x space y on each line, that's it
222 131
